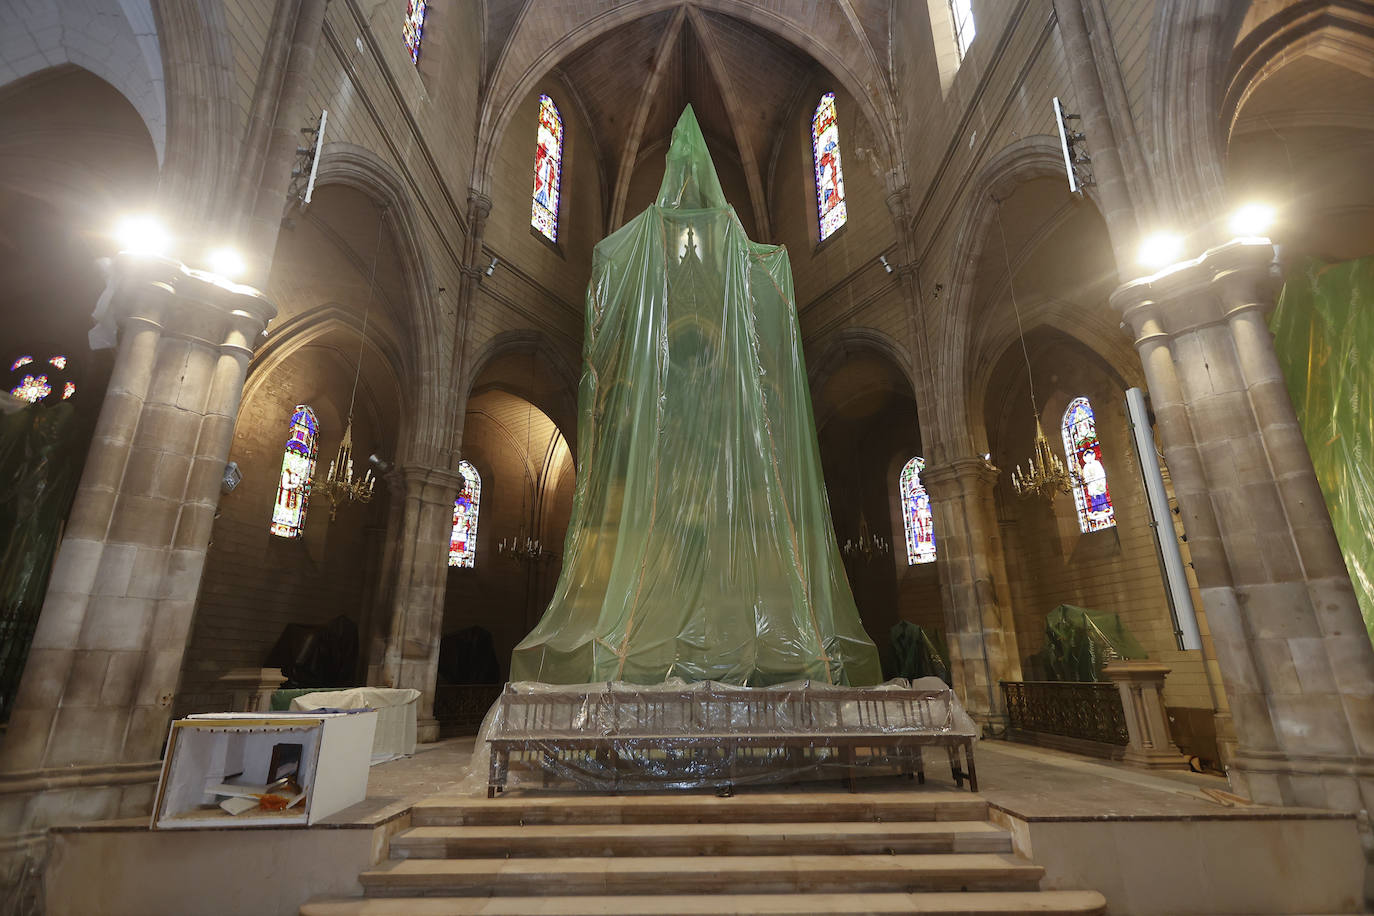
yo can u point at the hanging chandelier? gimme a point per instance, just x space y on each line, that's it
1045 474
339 485
866 546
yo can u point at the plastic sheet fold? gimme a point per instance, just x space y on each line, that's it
700 544
1324 335
680 735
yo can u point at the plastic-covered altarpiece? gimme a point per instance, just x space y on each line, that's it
700 544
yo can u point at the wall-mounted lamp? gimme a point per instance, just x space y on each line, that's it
883 260
491 268
379 464
232 477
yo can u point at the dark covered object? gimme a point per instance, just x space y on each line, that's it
317 656
1078 642
919 652
469 657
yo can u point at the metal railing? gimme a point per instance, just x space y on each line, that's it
1087 711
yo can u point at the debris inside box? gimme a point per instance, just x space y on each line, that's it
282 793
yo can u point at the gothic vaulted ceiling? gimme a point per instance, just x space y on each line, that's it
634 65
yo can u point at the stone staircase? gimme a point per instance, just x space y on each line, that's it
802 854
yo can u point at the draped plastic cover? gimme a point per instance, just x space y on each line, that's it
1324 334
700 544
677 735
1079 642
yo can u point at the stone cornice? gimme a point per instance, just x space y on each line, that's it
1198 292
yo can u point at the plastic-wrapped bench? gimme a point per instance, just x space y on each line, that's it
701 735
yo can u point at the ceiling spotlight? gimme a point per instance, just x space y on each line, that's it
491 268
142 235
227 262
1252 219
886 266
1160 249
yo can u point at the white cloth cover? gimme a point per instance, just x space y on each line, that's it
396 711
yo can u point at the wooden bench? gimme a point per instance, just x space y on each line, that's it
713 735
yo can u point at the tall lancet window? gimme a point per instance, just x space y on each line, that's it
462 543
916 517
297 467
961 11
548 170
825 152
1084 452
414 28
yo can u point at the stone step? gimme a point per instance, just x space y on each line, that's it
916 805
701 875
974 903
587 840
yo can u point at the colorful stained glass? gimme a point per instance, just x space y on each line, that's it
1084 453
462 544
961 11
58 361
21 362
825 152
33 388
297 467
68 390
414 28
916 515
548 170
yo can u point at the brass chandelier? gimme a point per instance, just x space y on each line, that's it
1045 475
339 485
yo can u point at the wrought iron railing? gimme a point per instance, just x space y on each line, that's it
1071 709
460 708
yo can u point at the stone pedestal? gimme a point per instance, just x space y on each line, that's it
411 656
1297 662
252 688
981 637
93 707
1141 684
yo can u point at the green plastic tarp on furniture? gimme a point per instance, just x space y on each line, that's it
1078 642
1324 334
700 544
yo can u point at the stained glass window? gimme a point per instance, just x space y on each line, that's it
548 170
32 388
58 361
297 467
1084 452
961 11
414 28
21 362
825 151
462 544
68 390
916 516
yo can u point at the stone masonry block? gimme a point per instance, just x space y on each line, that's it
45 675
184 569
91 514
172 624
1312 665
117 623
144 521
85 678
59 624
147 731
1311 724
116 566
1279 610
149 569
121 678
87 734
140 471
1350 665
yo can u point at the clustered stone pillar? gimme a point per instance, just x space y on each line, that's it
1298 664
94 704
417 605
982 640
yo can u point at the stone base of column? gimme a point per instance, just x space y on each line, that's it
427 731
1338 782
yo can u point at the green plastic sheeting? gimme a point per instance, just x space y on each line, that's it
919 652
700 544
1078 642
1324 334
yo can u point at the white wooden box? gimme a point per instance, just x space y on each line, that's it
204 751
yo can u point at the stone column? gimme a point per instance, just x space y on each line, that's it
973 577
411 657
96 695
1298 664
